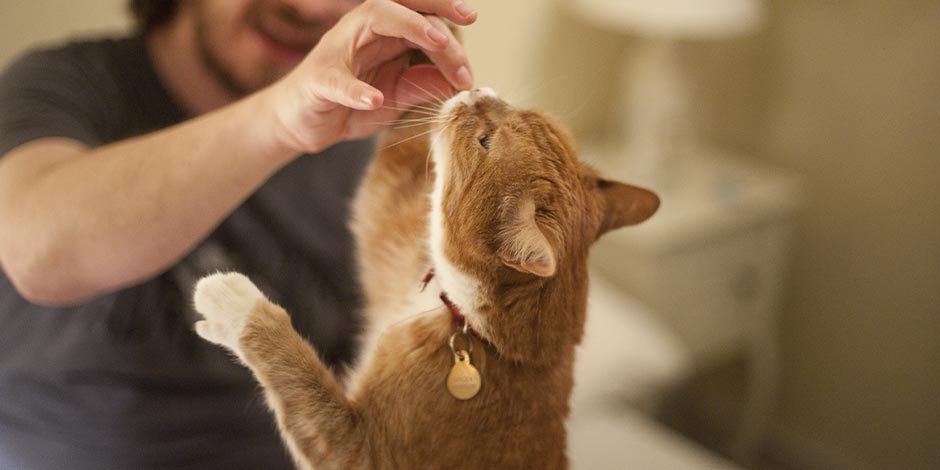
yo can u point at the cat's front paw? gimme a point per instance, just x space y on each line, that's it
226 301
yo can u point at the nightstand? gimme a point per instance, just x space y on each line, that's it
712 263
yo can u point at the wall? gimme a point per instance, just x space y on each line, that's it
43 21
848 94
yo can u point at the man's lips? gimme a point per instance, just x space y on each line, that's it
284 43
279 50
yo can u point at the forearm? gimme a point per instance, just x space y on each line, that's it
76 223
100 219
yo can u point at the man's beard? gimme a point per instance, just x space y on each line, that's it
268 72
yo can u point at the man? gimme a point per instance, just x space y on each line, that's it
222 137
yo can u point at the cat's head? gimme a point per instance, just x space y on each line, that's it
513 206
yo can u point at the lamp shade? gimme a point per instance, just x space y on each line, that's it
675 19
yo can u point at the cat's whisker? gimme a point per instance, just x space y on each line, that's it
397 124
406 123
381 123
422 106
423 119
412 110
532 92
427 160
432 96
501 81
409 120
567 115
401 122
413 107
571 113
407 139
517 97
418 124
439 95
423 95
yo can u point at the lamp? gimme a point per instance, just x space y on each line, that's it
656 128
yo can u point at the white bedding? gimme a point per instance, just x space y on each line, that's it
628 356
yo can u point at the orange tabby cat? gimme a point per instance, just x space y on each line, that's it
511 216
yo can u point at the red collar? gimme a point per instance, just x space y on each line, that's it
455 312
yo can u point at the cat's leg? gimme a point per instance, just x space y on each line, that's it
319 425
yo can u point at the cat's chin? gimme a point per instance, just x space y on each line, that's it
463 291
466 97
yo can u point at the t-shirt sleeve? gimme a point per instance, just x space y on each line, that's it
49 94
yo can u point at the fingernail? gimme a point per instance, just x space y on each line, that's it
369 99
436 35
464 78
463 9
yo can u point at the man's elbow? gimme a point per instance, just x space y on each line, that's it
39 281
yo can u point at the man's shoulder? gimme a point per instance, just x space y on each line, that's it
83 53
94 90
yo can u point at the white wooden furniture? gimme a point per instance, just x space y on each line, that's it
628 355
711 263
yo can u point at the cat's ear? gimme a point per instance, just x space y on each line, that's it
523 245
624 204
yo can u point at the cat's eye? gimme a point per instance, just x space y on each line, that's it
484 141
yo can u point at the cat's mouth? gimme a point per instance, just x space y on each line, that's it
456 313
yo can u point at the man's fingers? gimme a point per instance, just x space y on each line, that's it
384 18
389 19
414 85
421 84
402 89
452 60
457 11
342 87
370 45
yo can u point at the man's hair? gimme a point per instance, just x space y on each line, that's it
151 13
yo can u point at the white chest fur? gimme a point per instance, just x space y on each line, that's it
460 287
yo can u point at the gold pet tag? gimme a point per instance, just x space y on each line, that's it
463 381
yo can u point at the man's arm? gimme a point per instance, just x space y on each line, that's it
79 222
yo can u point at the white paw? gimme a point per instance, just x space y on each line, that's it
226 301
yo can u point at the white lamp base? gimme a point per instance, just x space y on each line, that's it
656 129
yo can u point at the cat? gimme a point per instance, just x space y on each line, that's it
489 206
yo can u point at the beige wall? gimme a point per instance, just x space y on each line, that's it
858 111
848 94
41 21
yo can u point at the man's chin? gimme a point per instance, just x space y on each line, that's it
262 76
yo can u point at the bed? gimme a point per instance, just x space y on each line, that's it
626 360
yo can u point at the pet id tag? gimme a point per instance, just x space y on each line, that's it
463 381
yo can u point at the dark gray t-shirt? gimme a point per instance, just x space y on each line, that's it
122 382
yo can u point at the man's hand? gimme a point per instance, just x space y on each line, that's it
357 79
67 238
